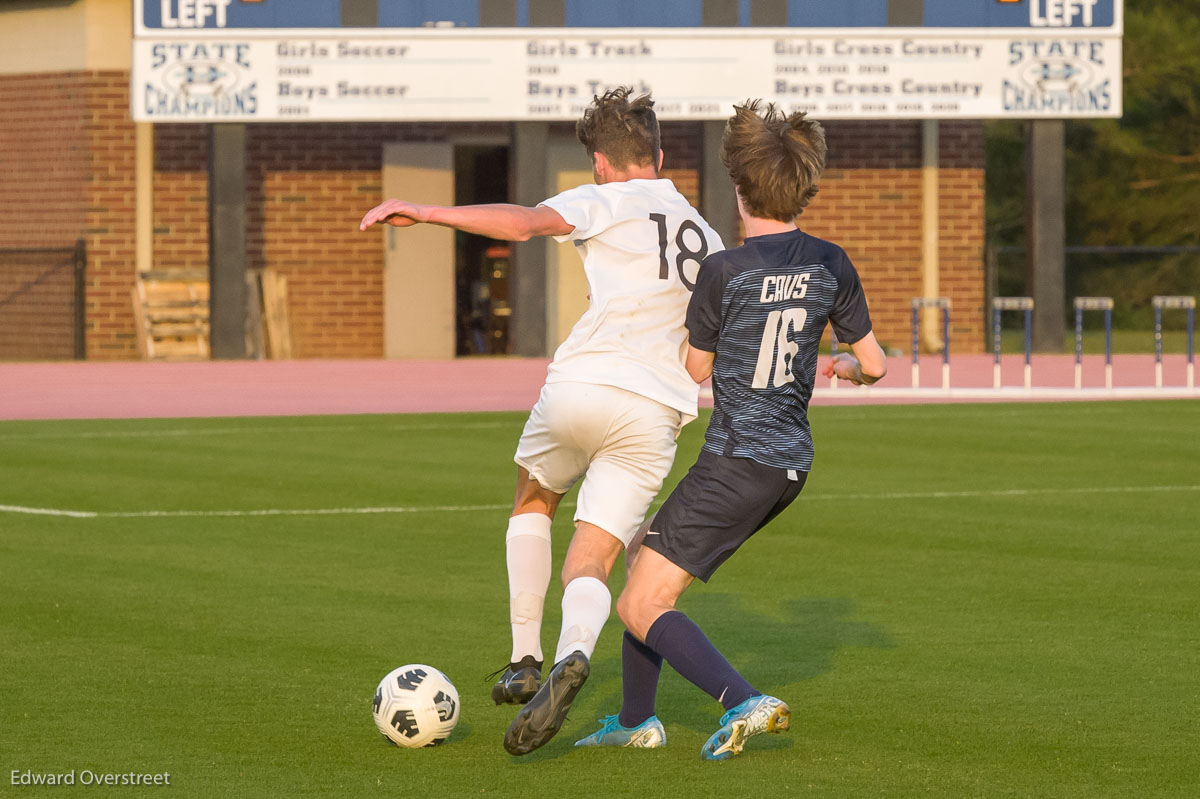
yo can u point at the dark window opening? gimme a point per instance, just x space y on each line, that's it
482 265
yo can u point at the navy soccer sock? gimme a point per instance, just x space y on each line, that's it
685 646
640 667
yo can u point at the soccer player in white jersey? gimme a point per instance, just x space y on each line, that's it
754 323
616 393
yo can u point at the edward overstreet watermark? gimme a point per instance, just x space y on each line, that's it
89 777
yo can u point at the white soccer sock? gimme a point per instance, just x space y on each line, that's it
528 549
585 605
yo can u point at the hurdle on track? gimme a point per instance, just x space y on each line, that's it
919 303
1012 304
1184 303
1093 304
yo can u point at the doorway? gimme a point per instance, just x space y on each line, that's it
481 265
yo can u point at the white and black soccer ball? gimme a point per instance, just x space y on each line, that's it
415 706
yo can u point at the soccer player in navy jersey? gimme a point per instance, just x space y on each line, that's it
754 323
615 398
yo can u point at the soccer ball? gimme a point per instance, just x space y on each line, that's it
415 706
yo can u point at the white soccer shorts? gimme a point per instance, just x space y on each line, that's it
621 443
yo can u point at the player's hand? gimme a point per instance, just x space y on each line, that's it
396 213
844 366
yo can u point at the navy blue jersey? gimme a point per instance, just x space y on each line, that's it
762 308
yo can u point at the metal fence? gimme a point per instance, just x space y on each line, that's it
1131 275
42 303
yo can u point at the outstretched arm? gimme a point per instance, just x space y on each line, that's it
867 365
498 221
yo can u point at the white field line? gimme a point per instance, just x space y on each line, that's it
1008 492
147 514
397 509
184 432
75 514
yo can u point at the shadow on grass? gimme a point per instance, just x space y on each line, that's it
775 649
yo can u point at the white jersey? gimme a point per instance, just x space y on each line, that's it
641 245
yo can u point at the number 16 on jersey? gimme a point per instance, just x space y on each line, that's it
777 348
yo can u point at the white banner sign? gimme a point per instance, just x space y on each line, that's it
460 76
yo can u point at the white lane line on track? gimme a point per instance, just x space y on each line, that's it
267 430
396 509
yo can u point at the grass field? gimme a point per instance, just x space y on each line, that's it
967 601
1128 342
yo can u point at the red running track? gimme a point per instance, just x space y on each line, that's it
126 390
265 388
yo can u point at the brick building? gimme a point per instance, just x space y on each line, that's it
73 165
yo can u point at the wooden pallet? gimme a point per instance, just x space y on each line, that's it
172 314
171 310
275 314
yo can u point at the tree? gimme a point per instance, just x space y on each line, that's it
1136 180
1130 181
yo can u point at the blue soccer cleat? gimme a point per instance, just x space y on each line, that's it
756 715
647 735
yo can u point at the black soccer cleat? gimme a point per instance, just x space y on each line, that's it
541 719
519 682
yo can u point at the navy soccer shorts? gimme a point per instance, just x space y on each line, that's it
715 509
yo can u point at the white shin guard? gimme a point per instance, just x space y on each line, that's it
527 545
586 604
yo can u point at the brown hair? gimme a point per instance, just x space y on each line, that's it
625 130
774 160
